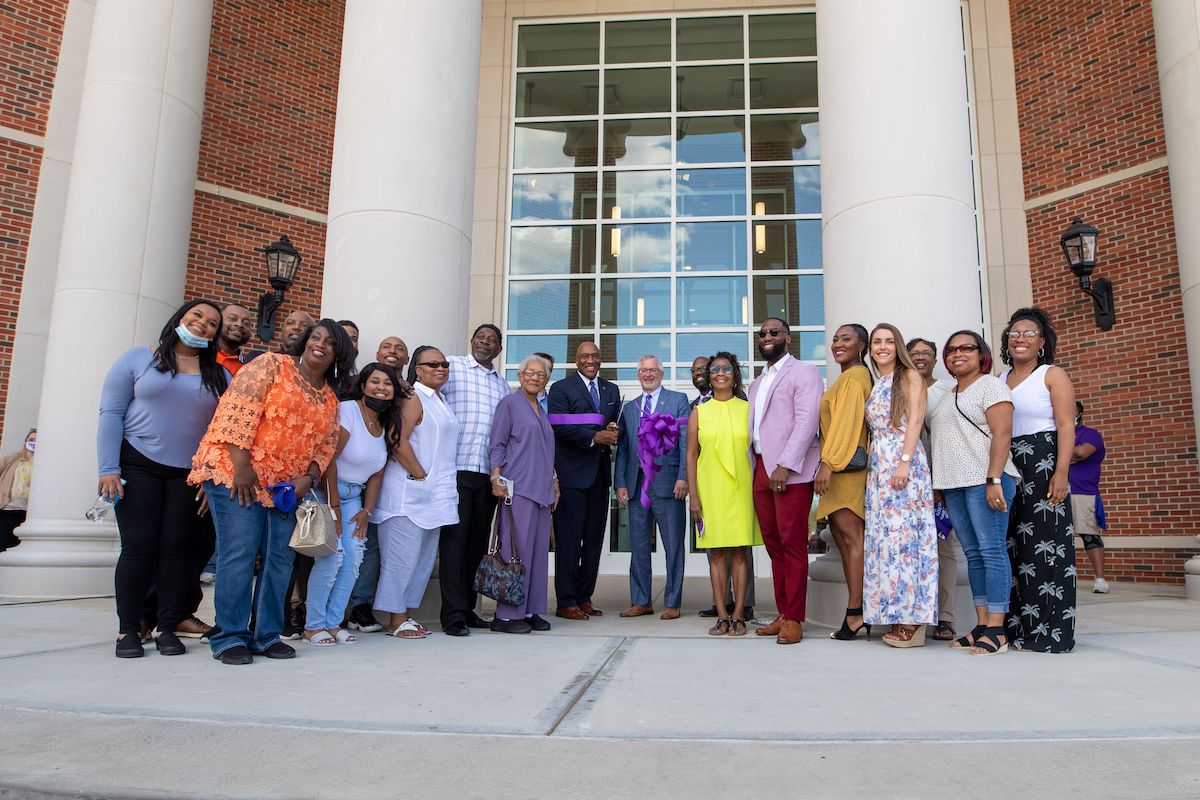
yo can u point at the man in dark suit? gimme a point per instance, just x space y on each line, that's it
666 496
581 460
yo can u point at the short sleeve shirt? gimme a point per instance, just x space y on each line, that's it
961 451
1085 475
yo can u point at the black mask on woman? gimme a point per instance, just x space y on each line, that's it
377 404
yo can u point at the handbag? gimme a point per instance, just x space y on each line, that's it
503 581
317 529
858 461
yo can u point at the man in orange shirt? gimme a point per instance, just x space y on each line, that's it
235 332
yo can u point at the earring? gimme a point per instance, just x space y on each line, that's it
335 370
1041 352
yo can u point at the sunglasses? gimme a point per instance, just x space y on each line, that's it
435 364
962 348
719 368
769 332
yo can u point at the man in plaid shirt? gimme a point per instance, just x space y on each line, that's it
473 390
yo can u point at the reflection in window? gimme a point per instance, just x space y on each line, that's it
640 40
559 45
569 195
712 301
786 190
710 88
629 195
795 299
711 192
635 303
784 137
783 85
637 91
632 346
636 248
555 144
808 345
792 244
539 305
710 246
561 347
558 94
690 346
708 39
710 140
552 250
782 35
637 142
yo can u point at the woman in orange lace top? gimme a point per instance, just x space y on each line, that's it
277 421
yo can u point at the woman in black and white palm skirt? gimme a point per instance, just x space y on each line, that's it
1041 546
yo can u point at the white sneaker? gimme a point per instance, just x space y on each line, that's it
1100 586
207 578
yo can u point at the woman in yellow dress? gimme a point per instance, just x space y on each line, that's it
842 491
719 474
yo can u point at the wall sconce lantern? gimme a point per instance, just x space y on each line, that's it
282 262
1079 246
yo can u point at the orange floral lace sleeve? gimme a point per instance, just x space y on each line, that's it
270 410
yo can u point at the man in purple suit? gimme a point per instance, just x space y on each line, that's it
785 405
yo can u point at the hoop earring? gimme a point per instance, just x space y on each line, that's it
335 370
1041 352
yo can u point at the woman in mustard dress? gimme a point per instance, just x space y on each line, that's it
719 475
842 490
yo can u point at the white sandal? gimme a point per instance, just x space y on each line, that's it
345 637
321 639
408 625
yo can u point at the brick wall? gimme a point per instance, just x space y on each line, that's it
1088 100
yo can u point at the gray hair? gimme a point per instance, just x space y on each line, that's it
657 361
537 358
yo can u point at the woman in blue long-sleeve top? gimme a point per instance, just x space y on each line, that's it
156 406
523 452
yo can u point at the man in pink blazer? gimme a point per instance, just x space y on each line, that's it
785 406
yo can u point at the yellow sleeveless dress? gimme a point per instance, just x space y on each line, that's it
723 475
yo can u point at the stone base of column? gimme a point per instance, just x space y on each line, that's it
1191 572
60 559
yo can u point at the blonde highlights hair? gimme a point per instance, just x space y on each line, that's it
904 372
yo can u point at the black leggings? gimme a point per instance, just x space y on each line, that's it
158 525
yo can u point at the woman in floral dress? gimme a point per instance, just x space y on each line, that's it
900 580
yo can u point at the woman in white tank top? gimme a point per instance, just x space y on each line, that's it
1041 612
419 495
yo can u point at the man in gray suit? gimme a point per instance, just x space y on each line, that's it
664 502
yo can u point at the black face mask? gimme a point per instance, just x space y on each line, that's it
377 404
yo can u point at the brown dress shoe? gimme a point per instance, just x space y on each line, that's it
772 629
570 612
790 633
591 610
193 628
636 611
670 613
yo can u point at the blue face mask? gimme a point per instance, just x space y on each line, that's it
190 339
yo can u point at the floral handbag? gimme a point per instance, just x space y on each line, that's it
503 581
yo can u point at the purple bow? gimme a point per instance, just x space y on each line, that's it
658 434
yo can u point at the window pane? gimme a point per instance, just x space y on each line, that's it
635 303
637 142
632 346
569 195
708 39
557 94
783 85
786 190
709 246
784 137
637 194
552 251
779 35
711 192
560 347
795 244
710 88
710 140
637 40
808 345
690 346
534 305
635 91
711 301
796 299
558 45
555 144
636 248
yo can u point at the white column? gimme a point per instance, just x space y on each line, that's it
897 196
121 268
1178 49
41 257
398 245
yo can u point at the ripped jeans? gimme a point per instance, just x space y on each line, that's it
332 578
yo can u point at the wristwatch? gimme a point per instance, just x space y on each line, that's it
905 457
993 481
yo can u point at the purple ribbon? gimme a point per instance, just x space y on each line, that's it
658 434
575 419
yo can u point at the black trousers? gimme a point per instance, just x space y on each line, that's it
461 547
158 525
203 548
10 520
578 541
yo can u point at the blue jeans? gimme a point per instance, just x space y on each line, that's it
242 533
332 577
983 532
368 571
670 515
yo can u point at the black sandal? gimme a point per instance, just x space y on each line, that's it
968 641
737 627
944 632
720 629
845 634
983 647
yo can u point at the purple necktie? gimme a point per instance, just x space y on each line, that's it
646 406
595 395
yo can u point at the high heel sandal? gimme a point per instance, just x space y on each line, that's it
844 634
906 637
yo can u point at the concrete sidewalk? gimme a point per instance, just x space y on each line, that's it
607 708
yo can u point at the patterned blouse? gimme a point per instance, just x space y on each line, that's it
270 410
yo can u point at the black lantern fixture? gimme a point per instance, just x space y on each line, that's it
1079 246
282 262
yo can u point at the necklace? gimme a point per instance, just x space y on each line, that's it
190 358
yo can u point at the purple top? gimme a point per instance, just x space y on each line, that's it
1085 475
523 448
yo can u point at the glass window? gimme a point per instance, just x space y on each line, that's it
712 301
784 137
570 195
808 346
637 91
558 94
552 250
711 192
637 40
792 244
782 35
690 346
541 305
636 248
783 85
786 190
711 140
632 346
710 246
629 195
560 347
542 145
710 88
708 38
559 45
635 303
637 142
796 299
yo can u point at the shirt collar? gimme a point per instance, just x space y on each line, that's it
778 365
471 362
594 380
423 389
653 395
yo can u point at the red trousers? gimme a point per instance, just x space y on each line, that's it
784 522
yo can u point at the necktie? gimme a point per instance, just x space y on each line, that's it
595 394
646 405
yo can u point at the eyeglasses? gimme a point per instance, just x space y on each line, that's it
650 371
435 364
922 354
1017 335
531 374
962 348
716 369
697 370
769 332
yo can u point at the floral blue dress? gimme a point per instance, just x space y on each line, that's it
900 576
